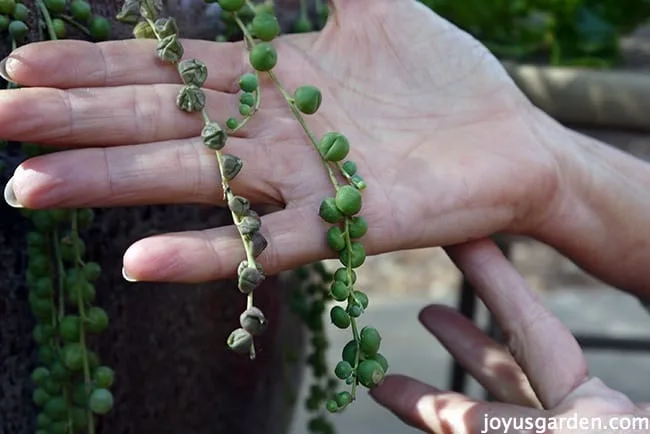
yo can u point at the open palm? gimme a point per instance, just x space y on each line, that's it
439 132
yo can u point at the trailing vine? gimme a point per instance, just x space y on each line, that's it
71 386
361 363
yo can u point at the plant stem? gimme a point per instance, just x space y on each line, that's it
82 316
48 20
68 19
60 272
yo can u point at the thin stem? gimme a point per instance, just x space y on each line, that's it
48 20
68 19
82 315
60 272
303 9
352 298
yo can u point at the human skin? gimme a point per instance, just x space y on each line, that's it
450 149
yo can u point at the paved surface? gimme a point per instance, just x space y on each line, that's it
412 351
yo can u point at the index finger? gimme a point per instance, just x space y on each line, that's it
72 64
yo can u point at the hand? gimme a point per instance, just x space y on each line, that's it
441 135
540 374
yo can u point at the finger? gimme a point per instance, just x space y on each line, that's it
104 116
70 64
175 171
544 348
432 410
485 360
294 238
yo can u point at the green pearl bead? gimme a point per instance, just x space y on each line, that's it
357 227
101 401
303 25
40 397
348 200
248 82
335 238
379 358
343 399
103 377
334 146
355 256
56 408
349 353
57 6
265 26
59 28
70 328
100 28
343 370
96 320
263 57
19 31
7 6
329 212
341 274
232 123
370 373
362 298
340 317
308 99
349 167
370 341
21 12
332 406
247 98
80 10
340 291
231 5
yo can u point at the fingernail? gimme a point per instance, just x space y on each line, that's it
126 276
10 196
3 70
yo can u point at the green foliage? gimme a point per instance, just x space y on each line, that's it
560 32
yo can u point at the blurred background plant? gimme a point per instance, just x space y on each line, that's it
556 32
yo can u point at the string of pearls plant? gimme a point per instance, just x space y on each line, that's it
361 363
71 386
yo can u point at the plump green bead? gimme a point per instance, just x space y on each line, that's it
43 421
58 427
379 358
248 82
370 373
21 12
96 320
92 271
355 256
343 370
56 408
18 30
357 227
244 109
70 328
40 397
43 287
100 28
85 217
348 200
79 418
52 387
329 212
43 333
7 6
358 182
362 298
73 356
349 352
41 307
341 275
354 310
93 359
40 374
370 341
308 99
343 398
334 146
335 238
303 25
46 355
80 395
332 406
57 6
59 372
339 317
339 291
232 123
80 10
349 167
231 5
265 26
58 25
101 401
247 98
263 57
103 376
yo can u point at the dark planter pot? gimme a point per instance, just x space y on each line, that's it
166 342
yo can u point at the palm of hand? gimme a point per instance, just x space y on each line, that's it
415 101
